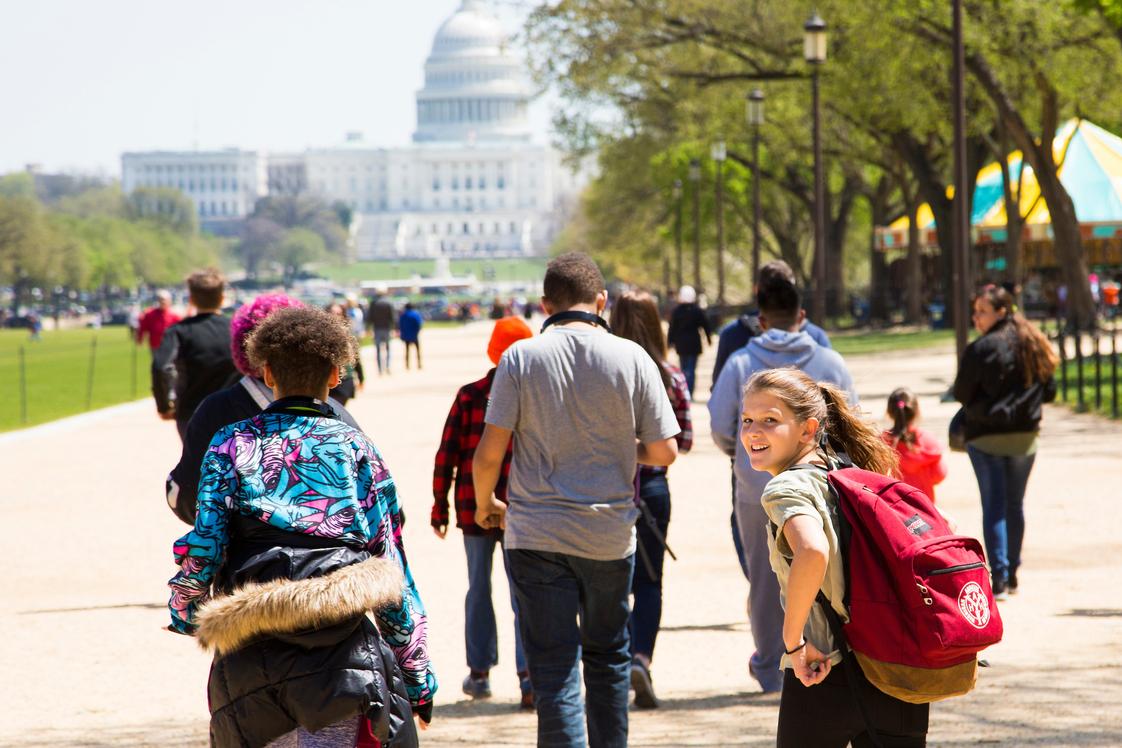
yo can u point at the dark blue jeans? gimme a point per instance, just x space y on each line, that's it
688 364
646 586
1002 482
574 610
480 632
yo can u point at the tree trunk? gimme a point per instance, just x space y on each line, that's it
835 244
1065 225
914 265
878 270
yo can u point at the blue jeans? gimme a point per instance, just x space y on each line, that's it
574 610
1002 482
481 638
765 612
646 586
688 364
382 345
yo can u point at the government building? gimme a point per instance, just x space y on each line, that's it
474 183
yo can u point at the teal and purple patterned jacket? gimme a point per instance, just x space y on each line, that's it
310 474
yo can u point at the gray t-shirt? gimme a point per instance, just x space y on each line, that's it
576 398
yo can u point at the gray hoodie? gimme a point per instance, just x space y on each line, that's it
772 350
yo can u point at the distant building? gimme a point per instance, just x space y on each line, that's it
473 183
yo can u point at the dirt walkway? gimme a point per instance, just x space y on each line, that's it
87 549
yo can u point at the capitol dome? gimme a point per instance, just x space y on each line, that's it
475 86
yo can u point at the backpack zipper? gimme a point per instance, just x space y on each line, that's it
953 569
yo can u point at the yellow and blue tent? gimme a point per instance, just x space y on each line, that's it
1090 166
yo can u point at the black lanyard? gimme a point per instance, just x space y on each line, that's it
298 405
589 317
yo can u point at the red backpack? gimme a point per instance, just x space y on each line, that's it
919 598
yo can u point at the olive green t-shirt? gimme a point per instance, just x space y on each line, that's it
805 492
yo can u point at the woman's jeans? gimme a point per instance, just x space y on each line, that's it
480 631
646 586
574 610
1002 482
688 364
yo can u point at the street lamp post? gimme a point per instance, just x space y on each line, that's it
695 179
814 51
755 112
719 153
678 232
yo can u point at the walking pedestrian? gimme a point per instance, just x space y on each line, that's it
584 408
826 697
156 320
409 329
244 399
635 317
462 431
687 323
353 377
297 558
1003 380
919 453
194 359
782 344
381 321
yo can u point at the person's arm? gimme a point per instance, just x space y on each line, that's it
810 555
659 453
200 552
444 469
182 485
724 408
680 399
706 326
164 373
141 327
404 626
1050 389
486 468
967 379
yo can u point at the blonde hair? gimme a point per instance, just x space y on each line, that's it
846 429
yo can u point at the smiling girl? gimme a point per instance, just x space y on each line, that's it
785 416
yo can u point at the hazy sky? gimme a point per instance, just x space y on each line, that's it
83 80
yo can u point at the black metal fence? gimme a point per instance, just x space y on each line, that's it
1088 371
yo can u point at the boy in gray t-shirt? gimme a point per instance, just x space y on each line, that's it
586 408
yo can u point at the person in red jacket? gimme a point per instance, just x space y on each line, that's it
921 455
462 432
157 319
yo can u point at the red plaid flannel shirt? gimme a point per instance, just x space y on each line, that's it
462 432
680 398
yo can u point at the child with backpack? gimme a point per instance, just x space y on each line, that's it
919 453
298 538
789 425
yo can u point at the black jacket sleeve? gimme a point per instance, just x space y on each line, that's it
968 378
163 370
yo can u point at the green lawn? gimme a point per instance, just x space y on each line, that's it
1105 390
856 344
57 374
513 269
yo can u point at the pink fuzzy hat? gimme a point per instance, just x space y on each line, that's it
247 318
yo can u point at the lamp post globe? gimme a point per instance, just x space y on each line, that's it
754 110
814 39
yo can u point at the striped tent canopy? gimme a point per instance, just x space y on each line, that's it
1090 160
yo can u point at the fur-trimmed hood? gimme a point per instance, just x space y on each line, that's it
285 606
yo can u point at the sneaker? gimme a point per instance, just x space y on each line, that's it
527 689
1000 590
644 691
477 685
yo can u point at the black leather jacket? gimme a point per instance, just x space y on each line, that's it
991 386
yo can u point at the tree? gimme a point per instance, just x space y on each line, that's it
298 248
163 205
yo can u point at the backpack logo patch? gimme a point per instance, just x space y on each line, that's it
916 525
974 605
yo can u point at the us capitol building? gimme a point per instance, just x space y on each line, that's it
472 183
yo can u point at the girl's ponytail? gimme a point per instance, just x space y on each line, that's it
902 409
850 433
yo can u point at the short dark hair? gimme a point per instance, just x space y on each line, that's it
570 279
775 270
780 302
300 345
205 288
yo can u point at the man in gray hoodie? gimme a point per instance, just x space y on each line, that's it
782 344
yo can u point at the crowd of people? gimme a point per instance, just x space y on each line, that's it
558 458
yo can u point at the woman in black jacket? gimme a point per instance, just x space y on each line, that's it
1003 380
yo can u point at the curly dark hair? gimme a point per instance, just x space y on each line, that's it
300 345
